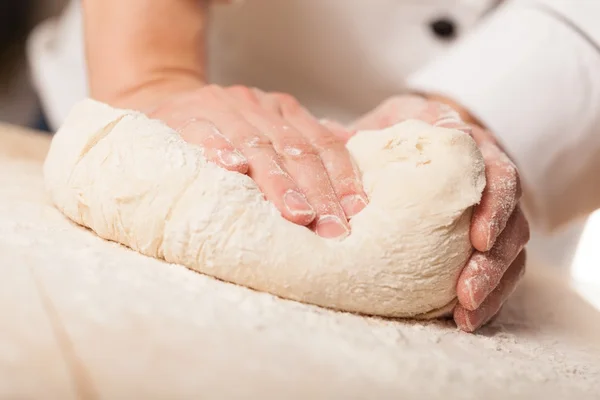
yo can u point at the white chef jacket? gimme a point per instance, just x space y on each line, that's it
528 69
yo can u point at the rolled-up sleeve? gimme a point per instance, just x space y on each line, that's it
531 73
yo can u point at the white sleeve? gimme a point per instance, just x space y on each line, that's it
531 74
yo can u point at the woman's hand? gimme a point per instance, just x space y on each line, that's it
499 230
150 56
300 164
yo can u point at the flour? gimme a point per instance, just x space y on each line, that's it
143 328
132 180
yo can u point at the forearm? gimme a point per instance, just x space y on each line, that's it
138 46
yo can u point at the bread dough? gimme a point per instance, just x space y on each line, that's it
134 181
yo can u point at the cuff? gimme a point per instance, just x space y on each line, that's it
535 82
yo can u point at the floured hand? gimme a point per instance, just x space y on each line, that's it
499 230
299 164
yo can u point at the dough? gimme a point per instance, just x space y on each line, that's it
134 181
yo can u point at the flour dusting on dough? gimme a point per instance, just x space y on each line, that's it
402 257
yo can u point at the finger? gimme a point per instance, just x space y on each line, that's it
343 134
444 116
217 148
285 144
304 165
391 112
244 95
203 133
400 109
502 192
271 176
343 173
484 271
439 114
500 195
264 165
341 189
267 170
471 320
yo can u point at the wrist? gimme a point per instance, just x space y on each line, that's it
141 48
149 92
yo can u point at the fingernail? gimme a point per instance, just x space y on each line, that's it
480 234
231 158
473 304
330 226
297 204
480 283
475 319
479 288
353 204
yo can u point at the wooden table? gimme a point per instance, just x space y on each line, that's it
84 318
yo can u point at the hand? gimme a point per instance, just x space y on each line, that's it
499 230
299 164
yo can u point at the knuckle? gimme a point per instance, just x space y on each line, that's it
391 103
206 93
404 107
257 92
243 92
210 88
191 127
256 142
296 148
396 100
326 140
287 101
284 98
